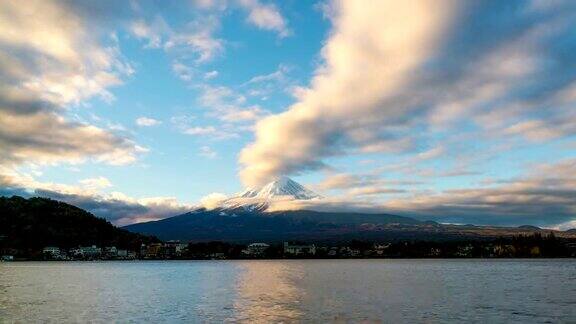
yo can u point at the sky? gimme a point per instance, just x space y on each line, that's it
453 111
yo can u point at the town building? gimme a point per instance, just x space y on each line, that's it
90 252
110 252
255 249
294 250
7 258
51 252
154 251
175 248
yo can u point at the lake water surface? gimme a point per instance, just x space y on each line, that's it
393 291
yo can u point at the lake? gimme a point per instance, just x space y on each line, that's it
431 291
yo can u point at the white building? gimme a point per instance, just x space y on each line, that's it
256 248
51 251
299 249
90 251
111 251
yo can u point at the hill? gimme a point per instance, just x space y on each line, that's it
31 224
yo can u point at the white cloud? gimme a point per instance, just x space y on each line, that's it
212 200
147 121
183 71
208 152
277 76
96 183
47 65
197 37
403 77
326 112
228 105
266 16
198 130
210 75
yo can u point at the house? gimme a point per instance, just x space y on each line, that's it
175 248
153 250
51 252
299 249
7 258
464 251
381 248
110 252
90 252
256 249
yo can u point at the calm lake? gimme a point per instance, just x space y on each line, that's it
431 291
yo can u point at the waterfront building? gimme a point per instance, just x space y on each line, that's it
110 252
256 249
90 251
290 249
7 258
51 251
153 250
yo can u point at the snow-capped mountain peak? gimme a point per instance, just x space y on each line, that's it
282 188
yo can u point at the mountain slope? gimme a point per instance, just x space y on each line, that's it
245 226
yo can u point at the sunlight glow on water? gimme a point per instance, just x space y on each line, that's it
290 291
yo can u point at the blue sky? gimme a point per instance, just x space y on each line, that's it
457 112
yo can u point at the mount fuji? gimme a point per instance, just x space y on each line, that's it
247 217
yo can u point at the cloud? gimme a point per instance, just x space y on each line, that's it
544 196
212 200
265 16
154 32
208 152
196 37
210 75
364 185
23 139
364 191
147 121
183 71
404 78
96 183
326 116
228 105
277 76
185 125
208 130
46 66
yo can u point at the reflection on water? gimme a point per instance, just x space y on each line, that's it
266 292
414 291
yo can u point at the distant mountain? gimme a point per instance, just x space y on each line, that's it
38 222
241 225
